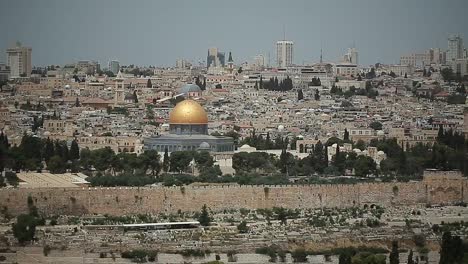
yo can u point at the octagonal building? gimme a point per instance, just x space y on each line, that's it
188 130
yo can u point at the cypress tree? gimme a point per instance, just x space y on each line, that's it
394 255
346 135
410 257
74 150
166 160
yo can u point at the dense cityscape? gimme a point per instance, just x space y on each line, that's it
226 160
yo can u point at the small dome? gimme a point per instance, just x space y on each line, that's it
280 128
188 88
380 133
245 146
380 152
204 145
356 150
67 86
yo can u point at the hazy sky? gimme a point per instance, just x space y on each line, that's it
159 32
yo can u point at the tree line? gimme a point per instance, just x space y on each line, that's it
275 85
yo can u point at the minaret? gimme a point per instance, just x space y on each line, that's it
321 57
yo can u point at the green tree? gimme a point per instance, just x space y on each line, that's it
364 166
149 84
346 135
299 255
204 217
151 161
180 160
452 249
56 165
242 227
376 125
317 95
166 160
204 160
394 254
135 97
74 150
25 228
300 95
49 149
344 258
410 257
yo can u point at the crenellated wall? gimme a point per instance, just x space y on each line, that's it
126 200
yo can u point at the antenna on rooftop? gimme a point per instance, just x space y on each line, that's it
284 32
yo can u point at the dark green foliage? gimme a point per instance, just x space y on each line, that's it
204 217
74 150
447 74
368 258
344 258
452 250
317 95
254 161
262 142
346 135
180 161
242 227
376 125
135 96
140 255
299 255
275 85
410 257
56 164
456 99
394 254
166 161
25 228
300 95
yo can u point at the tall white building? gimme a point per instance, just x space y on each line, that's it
114 66
455 48
352 56
284 53
19 60
259 60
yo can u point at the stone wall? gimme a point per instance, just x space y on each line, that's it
123 200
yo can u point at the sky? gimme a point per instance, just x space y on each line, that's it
157 33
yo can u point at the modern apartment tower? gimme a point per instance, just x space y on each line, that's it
352 56
114 66
19 61
455 48
215 58
284 53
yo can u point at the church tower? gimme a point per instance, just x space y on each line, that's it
119 91
230 63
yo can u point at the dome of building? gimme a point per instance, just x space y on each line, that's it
204 145
189 88
188 112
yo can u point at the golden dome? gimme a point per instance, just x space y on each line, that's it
188 112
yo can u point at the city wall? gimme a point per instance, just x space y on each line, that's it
126 200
